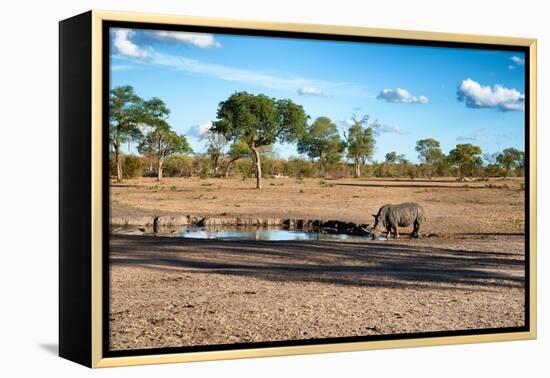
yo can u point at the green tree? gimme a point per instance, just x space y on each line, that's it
216 144
132 166
259 120
237 150
392 157
510 158
429 152
360 143
125 115
492 167
321 141
465 157
160 139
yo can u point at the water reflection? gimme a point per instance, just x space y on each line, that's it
259 233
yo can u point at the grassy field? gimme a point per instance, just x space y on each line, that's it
468 273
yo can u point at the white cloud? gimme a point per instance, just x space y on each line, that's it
378 128
511 67
517 60
386 128
345 123
401 95
120 67
242 75
473 138
198 131
124 46
504 99
309 91
202 40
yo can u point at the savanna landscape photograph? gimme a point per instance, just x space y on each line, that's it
271 189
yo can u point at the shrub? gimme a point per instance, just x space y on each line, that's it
132 166
178 166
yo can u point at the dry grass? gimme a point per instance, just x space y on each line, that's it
452 207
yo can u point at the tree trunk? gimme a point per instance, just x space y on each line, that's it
159 173
229 166
216 166
118 163
357 168
150 161
258 167
160 158
321 163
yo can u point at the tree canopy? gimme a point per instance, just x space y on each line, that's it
125 115
510 158
360 143
322 141
466 157
159 137
259 120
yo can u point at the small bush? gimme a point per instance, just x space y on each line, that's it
178 166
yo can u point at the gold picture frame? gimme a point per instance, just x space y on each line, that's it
85 273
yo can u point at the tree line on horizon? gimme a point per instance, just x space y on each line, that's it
246 128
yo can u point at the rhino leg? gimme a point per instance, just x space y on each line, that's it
416 230
388 232
396 232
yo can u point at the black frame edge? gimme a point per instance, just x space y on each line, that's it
75 217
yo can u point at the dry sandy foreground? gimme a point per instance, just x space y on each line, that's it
169 292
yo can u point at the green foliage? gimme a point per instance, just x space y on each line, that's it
252 124
132 166
359 143
321 141
215 146
259 120
125 115
466 157
430 153
510 158
300 168
159 138
245 169
178 166
392 157
239 149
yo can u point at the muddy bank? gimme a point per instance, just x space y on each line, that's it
179 292
154 223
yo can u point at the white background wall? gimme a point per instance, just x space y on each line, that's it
29 215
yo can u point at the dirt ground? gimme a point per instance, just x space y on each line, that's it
495 206
167 291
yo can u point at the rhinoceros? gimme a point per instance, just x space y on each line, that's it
390 217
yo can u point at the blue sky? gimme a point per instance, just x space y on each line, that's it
452 95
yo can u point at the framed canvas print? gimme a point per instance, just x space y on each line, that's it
235 189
